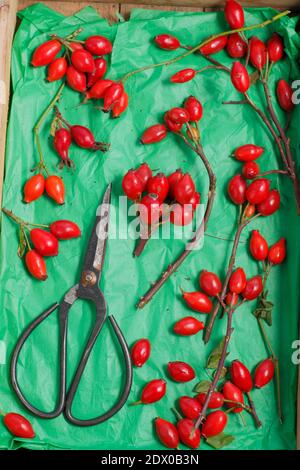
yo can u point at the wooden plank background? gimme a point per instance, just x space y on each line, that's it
107 9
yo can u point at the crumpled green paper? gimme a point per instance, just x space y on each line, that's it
125 279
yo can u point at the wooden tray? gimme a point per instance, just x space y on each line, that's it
107 9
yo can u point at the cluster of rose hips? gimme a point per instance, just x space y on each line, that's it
172 197
230 396
45 242
81 135
83 66
260 250
260 54
38 184
258 195
175 118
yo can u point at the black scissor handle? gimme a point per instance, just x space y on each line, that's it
126 390
16 353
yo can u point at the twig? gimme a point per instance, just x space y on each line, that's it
253 410
206 41
190 246
242 223
217 375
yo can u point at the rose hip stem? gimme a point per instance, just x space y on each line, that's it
242 223
286 141
19 221
37 127
253 410
282 137
189 247
206 41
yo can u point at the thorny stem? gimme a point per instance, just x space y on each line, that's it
36 129
202 227
206 41
242 223
217 375
276 365
253 411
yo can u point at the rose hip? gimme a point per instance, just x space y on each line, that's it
237 189
285 96
269 205
240 77
120 105
57 69
264 373
231 299
159 185
241 376
181 371
194 108
150 209
140 352
210 283
188 435
132 185
234 14
232 392
275 48
253 289
83 61
152 392
171 125
258 190
19 426
184 189
112 95
214 424
84 138
65 229
36 265
166 41
154 134
237 281
250 170
98 72
198 301
216 400
258 246
45 53
76 79
214 46
55 188
179 115
45 243
34 188
189 407
167 433
62 141
183 76
277 252
98 45
258 53
236 46
248 152
188 326
181 215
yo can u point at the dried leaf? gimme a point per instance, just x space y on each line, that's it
219 441
202 386
223 372
214 357
22 244
254 77
53 126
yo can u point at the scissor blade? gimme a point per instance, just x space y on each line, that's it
95 252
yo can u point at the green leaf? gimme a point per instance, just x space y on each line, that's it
223 372
214 357
219 441
202 386
22 244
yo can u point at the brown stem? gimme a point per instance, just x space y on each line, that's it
189 247
290 165
253 410
222 295
217 375
273 172
144 238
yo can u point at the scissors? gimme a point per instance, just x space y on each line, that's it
86 289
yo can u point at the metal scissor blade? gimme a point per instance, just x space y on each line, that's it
95 252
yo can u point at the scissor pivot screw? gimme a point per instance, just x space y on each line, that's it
88 278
